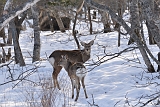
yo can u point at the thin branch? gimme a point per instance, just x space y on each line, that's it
150 100
21 76
114 55
6 64
93 102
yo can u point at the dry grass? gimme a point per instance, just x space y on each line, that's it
48 96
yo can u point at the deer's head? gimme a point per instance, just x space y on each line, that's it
87 46
63 60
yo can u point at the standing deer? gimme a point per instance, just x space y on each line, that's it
74 55
77 72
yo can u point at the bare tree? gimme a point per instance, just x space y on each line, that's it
105 20
151 15
36 50
74 25
132 32
58 19
135 26
15 12
90 22
18 54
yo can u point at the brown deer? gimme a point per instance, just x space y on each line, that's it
74 55
77 72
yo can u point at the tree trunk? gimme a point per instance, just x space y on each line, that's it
19 21
117 24
158 69
36 50
135 26
59 21
90 21
94 14
151 37
2 34
50 21
127 28
74 31
105 21
9 39
8 56
85 11
3 55
152 18
18 54
0 58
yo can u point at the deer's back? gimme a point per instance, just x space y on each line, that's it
73 55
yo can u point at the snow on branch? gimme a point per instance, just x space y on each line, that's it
7 18
8 4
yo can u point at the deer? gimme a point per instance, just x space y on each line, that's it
74 56
77 72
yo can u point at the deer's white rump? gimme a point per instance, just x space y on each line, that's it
81 72
51 61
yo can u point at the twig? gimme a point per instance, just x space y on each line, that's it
93 102
30 54
6 64
114 55
21 77
150 100
117 103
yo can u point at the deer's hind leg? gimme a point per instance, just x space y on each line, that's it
77 88
55 73
84 88
73 86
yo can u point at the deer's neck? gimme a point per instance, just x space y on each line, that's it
85 56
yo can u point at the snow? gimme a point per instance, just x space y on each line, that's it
120 82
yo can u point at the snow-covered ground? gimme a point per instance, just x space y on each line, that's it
120 82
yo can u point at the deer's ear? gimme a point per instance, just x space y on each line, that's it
83 43
91 42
